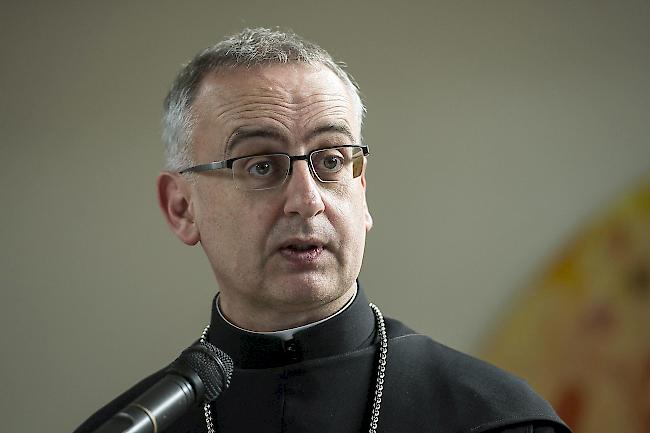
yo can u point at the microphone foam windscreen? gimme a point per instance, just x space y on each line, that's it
212 365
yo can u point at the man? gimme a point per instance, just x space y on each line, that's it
266 171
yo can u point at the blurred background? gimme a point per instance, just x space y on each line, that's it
506 136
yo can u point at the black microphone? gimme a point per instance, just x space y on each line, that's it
198 375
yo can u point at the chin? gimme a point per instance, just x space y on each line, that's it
308 290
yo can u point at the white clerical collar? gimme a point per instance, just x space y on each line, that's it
287 334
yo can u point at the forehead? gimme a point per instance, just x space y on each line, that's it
290 100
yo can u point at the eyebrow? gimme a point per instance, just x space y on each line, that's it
244 133
338 127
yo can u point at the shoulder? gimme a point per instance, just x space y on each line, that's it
453 391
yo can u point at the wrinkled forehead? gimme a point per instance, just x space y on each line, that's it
295 96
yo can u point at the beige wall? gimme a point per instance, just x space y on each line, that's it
496 129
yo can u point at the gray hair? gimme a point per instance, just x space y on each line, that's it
250 47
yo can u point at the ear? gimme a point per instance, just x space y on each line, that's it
368 217
174 199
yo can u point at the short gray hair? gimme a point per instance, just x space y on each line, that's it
250 47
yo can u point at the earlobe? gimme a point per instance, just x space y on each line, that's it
174 201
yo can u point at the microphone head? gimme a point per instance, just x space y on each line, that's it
212 366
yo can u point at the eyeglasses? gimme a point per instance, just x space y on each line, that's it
257 172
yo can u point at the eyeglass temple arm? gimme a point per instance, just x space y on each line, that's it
206 167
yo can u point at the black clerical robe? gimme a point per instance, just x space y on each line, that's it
322 381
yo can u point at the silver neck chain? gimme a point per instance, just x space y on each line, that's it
379 384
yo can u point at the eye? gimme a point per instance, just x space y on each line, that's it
261 168
332 162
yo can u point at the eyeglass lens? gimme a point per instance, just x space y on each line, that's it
269 171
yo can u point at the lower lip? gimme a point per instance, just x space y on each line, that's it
302 257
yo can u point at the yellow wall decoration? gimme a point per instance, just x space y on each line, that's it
581 333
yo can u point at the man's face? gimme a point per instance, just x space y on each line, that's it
297 249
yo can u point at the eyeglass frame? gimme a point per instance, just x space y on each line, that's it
227 163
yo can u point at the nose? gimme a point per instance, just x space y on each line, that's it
302 193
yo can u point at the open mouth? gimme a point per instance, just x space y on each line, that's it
301 248
302 252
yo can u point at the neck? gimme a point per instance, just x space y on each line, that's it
267 320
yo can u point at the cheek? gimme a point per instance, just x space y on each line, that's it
347 212
235 232
215 215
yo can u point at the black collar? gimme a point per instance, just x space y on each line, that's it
352 329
